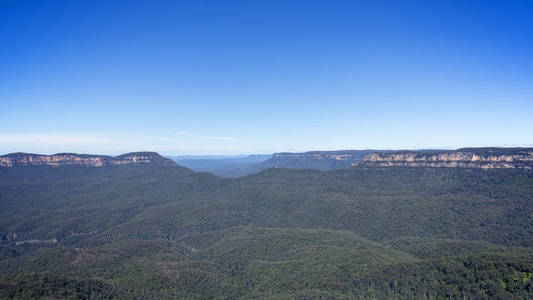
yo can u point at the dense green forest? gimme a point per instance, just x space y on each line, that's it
168 232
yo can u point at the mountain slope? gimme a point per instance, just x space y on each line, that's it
319 160
479 158
66 159
151 231
484 158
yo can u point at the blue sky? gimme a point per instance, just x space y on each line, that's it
228 77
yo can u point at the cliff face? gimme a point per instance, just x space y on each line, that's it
462 158
319 160
352 155
63 159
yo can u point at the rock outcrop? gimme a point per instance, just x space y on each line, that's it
323 155
319 160
64 159
484 158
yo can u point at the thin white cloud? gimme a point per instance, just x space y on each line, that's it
219 138
102 143
115 143
183 133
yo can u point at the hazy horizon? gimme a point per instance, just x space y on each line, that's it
236 155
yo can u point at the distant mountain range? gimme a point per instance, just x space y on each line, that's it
235 166
138 230
62 159
319 160
225 166
485 158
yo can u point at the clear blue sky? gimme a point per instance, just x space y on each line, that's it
227 77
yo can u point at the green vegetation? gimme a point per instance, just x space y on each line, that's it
169 232
318 160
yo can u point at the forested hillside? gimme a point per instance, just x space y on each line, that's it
165 231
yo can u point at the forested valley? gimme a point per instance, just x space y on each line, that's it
159 232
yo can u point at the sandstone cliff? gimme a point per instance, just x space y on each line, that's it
63 159
319 160
484 158
322 155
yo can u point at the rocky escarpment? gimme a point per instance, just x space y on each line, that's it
484 158
64 159
323 155
320 160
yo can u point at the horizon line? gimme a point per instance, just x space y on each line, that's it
525 146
